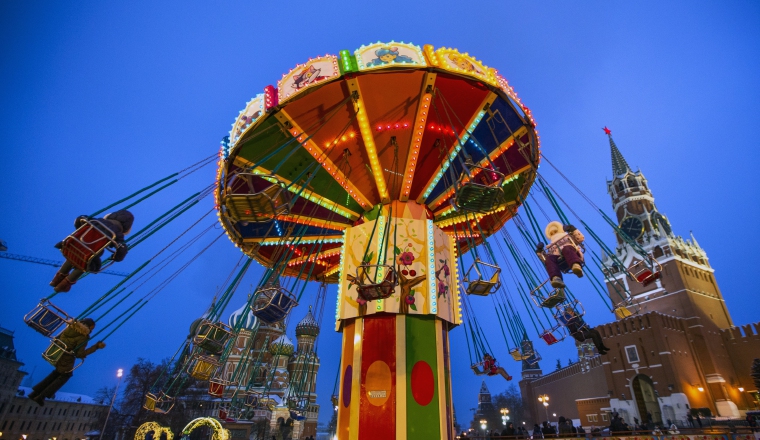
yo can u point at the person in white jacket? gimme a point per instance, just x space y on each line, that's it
565 242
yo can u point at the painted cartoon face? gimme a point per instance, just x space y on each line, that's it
388 58
461 63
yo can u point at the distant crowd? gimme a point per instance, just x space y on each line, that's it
566 429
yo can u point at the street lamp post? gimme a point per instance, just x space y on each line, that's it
504 416
483 426
119 373
543 398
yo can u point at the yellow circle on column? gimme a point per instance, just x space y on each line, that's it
378 383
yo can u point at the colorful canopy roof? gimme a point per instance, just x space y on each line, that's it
390 121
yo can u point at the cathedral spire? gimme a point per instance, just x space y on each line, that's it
619 165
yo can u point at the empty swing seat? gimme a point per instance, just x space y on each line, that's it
644 273
212 336
272 304
518 356
479 189
46 318
86 243
479 282
202 367
216 387
622 312
548 337
555 297
369 290
160 403
259 207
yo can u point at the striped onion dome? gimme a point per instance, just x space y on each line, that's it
251 322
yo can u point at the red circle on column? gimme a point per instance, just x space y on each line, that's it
347 386
423 384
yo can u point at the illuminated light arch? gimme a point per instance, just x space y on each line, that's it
147 427
219 432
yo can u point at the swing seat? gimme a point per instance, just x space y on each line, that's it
553 299
212 337
571 313
46 318
252 399
87 243
222 414
646 271
160 403
370 291
262 206
202 367
334 400
556 298
534 358
272 303
622 312
55 350
216 387
548 337
481 193
474 197
518 356
476 282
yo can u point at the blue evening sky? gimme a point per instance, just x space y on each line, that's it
98 99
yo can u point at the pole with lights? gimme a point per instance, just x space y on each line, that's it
504 416
119 373
483 426
543 398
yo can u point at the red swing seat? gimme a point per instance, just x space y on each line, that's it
87 242
549 337
645 273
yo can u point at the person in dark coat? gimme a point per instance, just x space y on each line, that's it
74 338
509 431
578 328
548 430
536 431
118 224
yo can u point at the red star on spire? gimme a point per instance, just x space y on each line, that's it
607 131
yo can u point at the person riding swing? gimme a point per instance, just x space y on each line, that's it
490 367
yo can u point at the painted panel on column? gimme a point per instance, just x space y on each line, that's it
378 378
421 369
444 269
347 359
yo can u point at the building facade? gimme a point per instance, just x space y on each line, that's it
678 352
66 416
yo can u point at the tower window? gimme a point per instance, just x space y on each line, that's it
632 353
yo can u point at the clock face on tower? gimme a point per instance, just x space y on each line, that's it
633 227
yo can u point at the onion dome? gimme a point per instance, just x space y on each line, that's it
308 326
250 320
281 346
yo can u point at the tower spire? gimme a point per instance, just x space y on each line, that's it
619 165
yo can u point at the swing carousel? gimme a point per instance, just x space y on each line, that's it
392 171
376 169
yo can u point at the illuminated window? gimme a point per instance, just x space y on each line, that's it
605 418
632 353
592 417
